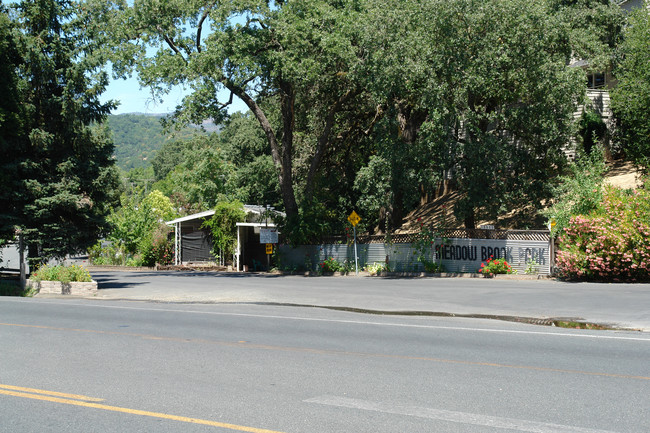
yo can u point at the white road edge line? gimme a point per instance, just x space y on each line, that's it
451 416
355 322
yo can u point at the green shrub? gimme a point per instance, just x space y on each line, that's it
432 267
330 265
579 192
532 268
591 129
425 245
109 254
153 248
135 261
223 227
377 268
348 266
65 274
163 246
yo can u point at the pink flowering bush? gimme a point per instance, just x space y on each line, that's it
612 243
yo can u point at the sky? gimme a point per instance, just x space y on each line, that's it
133 99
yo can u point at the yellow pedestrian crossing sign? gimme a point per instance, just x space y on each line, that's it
354 218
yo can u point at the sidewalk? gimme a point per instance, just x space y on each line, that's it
532 301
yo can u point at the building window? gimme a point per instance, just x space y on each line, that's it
595 80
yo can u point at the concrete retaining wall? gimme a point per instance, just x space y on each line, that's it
59 288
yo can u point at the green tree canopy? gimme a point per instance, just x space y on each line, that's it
593 29
134 222
631 97
198 180
168 157
367 103
486 88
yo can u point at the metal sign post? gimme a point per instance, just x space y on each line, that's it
21 255
356 256
269 251
354 219
551 248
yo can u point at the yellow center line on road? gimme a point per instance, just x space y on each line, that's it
244 344
50 398
52 393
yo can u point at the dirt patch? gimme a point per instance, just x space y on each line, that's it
440 212
623 174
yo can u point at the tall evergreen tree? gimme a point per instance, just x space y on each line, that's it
10 127
65 175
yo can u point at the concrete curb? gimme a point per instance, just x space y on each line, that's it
417 275
331 274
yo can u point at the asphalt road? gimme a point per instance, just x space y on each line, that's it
78 365
620 305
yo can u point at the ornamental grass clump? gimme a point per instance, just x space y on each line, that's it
611 243
496 266
65 274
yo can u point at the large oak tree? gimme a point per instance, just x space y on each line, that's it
292 63
484 88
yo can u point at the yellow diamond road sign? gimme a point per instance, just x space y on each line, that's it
354 218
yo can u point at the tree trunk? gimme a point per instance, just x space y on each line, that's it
397 214
324 140
281 157
286 180
409 121
424 195
33 256
470 222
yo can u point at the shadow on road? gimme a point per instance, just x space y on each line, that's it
113 283
126 279
203 274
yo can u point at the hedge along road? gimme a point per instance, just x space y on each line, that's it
619 305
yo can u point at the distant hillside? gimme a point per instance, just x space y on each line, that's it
138 137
